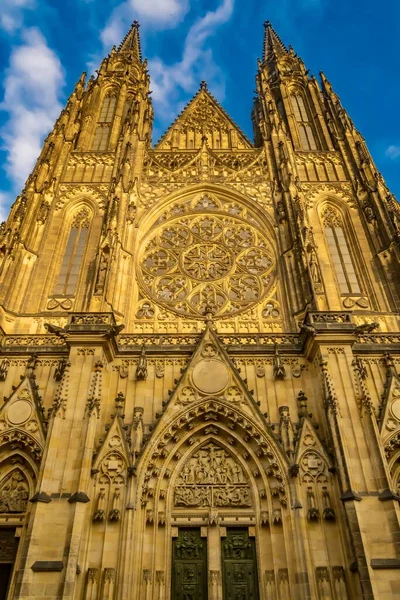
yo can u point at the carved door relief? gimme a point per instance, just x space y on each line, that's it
189 566
239 566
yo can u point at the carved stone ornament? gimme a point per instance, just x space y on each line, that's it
313 467
212 478
195 262
210 376
141 370
279 367
14 493
4 365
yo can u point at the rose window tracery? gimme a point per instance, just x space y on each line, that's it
192 262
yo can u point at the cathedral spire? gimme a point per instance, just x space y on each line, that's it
131 42
273 45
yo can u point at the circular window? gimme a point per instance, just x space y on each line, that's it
193 263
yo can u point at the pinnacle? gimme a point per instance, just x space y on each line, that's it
273 45
131 42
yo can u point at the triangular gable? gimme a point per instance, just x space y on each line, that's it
211 374
390 409
203 117
311 455
21 419
212 398
113 451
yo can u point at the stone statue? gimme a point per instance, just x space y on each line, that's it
115 512
101 276
137 431
100 512
314 269
141 370
286 431
279 369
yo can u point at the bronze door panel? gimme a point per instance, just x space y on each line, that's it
189 566
239 566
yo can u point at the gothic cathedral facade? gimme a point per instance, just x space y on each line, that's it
200 350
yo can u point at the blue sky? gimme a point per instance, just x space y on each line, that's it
46 44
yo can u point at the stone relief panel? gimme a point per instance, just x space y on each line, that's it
212 478
14 493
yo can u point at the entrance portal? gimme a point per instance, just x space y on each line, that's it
8 550
239 566
189 566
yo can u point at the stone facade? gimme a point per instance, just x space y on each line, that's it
200 350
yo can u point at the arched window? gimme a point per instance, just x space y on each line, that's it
339 251
102 134
73 255
307 138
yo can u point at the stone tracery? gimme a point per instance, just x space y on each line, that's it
191 262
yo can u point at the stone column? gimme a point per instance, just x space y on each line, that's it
214 534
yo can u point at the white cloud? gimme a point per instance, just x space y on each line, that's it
160 10
32 87
168 81
5 203
393 152
11 16
157 14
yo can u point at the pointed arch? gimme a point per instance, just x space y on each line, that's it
104 122
231 429
336 236
74 252
302 116
392 452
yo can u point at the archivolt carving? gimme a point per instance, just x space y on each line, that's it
96 192
219 420
195 262
342 190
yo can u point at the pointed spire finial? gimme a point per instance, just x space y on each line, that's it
131 42
203 85
273 45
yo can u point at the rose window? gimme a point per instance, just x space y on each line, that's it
192 263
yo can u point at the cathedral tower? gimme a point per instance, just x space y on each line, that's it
200 350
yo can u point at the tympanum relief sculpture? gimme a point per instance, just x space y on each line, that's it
14 493
212 478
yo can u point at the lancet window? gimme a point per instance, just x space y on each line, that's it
340 252
102 134
73 255
306 134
